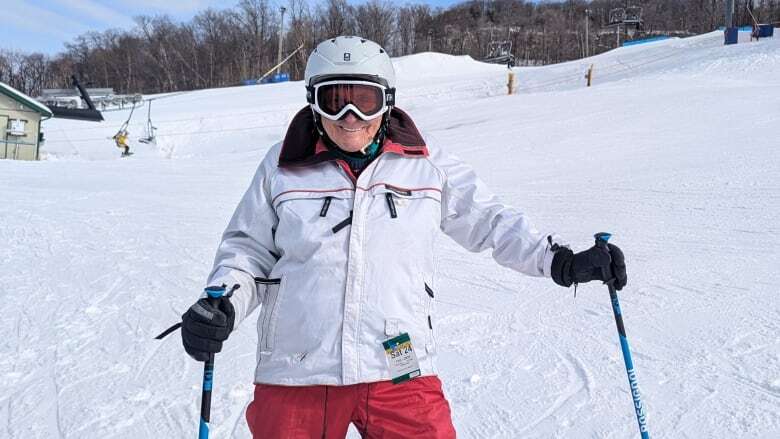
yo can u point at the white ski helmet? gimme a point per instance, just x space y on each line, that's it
349 57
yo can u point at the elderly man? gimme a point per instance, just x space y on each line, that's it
335 240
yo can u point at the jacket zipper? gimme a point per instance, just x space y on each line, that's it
325 207
429 290
266 326
430 301
343 224
391 205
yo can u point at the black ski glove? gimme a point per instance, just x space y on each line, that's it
204 327
573 268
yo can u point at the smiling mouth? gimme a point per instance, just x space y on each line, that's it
351 130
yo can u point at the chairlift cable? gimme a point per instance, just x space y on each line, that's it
184 133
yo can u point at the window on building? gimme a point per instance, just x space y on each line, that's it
16 127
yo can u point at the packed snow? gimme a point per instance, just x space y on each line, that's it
675 150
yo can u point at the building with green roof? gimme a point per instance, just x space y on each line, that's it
20 124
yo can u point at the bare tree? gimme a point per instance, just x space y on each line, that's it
407 31
222 47
255 17
157 31
301 32
336 17
375 20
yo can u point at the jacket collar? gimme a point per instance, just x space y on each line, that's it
303 146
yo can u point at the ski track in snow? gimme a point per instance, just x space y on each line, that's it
674 150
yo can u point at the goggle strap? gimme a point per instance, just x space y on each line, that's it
390 97
310 94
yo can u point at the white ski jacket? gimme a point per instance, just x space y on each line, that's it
340 264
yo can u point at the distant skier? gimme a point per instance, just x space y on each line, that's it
335 238
122 142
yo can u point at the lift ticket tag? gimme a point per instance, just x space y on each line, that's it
401 358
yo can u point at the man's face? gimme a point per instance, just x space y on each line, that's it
350 133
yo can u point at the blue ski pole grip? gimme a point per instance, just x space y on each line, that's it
601 242
215 292
602 238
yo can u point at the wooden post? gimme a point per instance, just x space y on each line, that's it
589 75
510 84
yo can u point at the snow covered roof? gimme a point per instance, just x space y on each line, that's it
24 99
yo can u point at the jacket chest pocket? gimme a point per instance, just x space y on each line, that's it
308 216
406 205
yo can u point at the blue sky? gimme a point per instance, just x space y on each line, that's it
46 25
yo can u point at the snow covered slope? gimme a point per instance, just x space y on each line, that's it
675 150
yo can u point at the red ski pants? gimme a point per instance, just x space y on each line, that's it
412 409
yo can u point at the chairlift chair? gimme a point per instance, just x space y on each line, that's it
122 136
499 48
500 52
150 129
617 16
633 15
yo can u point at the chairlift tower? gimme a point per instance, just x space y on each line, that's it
628 16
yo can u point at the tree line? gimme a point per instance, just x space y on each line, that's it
219 48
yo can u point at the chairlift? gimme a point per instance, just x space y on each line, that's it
633 15
499 48
500 52
150 129
617 16
122 136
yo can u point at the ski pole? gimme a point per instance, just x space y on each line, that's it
601 242
214 294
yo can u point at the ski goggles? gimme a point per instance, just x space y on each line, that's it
333 99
